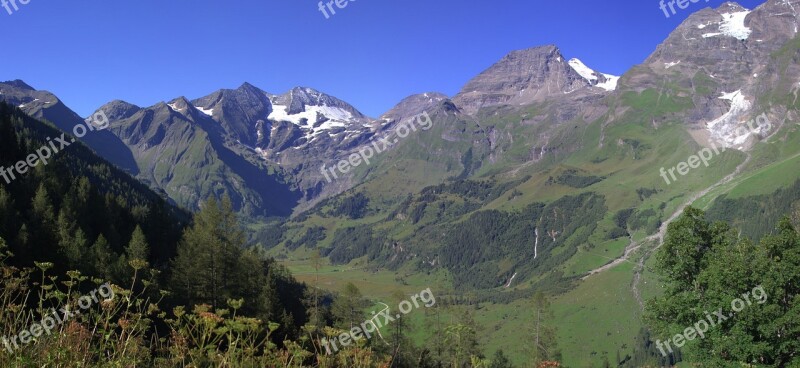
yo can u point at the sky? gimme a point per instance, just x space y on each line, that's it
371 53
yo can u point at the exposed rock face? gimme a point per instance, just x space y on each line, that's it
521 78
716 54
414 105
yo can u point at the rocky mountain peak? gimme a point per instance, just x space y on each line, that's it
18 83
118 109
181 105
297 99
414 105
521 77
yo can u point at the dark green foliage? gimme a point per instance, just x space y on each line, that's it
472 193
621 219
755 215
616 233
646 219
571 178
645 353
645 193
635 219
622 216
270 235
638 148
499 360
310 238
472 249
348 307
708 266
469 165
484 191
353 242
78 211
81 213
354 207
418 212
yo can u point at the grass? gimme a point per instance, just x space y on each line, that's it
598 318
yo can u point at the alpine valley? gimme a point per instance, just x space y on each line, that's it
540 176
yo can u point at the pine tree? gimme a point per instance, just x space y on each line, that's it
43 223
207 263
7 212
76 250
21 247
347 307
544 345
461 340
102 257
137 248
315 315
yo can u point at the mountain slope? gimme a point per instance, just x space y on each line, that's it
46 106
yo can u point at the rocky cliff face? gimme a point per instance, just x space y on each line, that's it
726 58
527 76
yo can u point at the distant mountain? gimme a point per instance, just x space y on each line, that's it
248 143
46 106
527 76
266 150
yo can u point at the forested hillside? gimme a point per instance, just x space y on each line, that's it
176 289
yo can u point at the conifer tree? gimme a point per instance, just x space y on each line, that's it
138 248
102 256
206 265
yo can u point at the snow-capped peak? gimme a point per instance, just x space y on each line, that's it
582 69
609 82
315 120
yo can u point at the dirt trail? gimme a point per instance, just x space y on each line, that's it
659 236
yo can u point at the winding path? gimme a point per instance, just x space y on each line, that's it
659 236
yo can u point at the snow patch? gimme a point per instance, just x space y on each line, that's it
592 76
724 128
582 69
732 25
670 65
610 84
208 112
337 118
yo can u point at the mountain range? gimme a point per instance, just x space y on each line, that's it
540 174
264 150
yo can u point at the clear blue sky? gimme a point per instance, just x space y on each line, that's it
372 53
